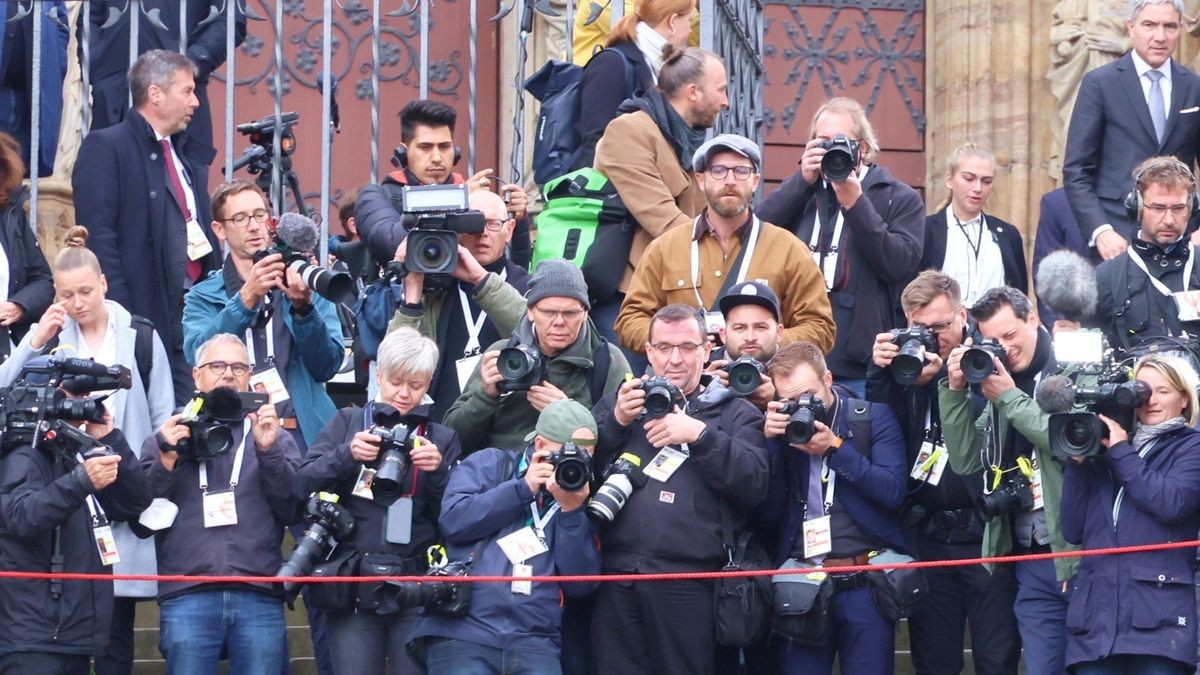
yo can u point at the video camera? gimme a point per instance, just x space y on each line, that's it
746 373
257 158
434 216
914 343
804 413
840 159
328 523
39 414
212 417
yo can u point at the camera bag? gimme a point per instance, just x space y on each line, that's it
373 597
335 597
896 592
741 605
802 605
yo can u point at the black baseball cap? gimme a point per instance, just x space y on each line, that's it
750 293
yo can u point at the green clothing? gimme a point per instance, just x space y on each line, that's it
504 305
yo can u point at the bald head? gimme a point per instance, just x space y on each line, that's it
490 203
489 245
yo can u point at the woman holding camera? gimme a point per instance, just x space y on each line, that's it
368 630
1136 612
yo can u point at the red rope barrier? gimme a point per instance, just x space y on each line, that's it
588 578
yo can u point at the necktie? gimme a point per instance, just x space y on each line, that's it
193 266
1158 111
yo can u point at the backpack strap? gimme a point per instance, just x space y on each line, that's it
143 347
858 421
601 362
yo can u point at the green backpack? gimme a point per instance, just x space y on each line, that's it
585 223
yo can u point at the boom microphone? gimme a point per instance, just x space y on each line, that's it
297 231
1055 394
1066 282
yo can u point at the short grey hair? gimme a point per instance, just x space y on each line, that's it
156 67
219 338
1136 6
406 351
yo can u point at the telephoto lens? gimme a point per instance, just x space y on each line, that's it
624 475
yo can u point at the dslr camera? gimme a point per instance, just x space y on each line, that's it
914 343
745 374
1079 434
621 478
521 365
392 466
841 158
435 215
328 523
804 412
40 414
661 396
446 598
212 418
1013 495
977 363
572 466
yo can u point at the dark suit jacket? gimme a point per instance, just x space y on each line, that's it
1057 230
135 225
30 284
1012 249
1111 133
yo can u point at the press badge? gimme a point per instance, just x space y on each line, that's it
362 485
818 540
270 383
1035 484
521 545
930 464
106 546
398 524
465 367
1188 304
665 463
198 245
219 509
713 322
522 587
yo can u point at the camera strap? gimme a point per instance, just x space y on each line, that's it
1158 285
266 343
539 522
237 462
827 260
745 256
474 325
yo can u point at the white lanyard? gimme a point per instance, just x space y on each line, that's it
474 326
830 478
743 269
540 522
270 329
93 504
1162 288
1116 512
826 261
237 462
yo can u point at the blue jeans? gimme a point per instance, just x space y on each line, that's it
459 657
1133 664
1041 610
249 625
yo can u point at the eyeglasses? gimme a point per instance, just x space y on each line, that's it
494 225
941 326
567 315
240 219
685 349
720 171
219 367
1160 210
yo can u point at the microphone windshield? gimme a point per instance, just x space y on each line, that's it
1055 394
1066 282
298 232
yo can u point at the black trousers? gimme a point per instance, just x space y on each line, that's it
655 628
25 663
964 595
117 658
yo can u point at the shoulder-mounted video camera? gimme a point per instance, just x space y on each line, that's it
434 216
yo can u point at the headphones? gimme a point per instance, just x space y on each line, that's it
1133 200
400 156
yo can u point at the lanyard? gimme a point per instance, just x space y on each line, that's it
237 462
270 355
1160 286
98 516
540 522
1116 512
743 269
827 261
474 326
830 479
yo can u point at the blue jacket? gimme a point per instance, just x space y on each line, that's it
872 490
481 505
317 350
1136 603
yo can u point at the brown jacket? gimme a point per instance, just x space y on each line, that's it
664 276
658 192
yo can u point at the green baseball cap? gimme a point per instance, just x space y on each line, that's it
560 419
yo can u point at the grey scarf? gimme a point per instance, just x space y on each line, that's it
1147 432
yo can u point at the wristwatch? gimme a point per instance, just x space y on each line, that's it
837 443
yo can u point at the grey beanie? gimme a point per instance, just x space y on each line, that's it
557 278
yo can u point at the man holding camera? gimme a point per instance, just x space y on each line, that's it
837 484
57 506
521 515
293 335
234 499
555 353
942 518
468 314
726 246
1009 443
701 449
1152 290
864 228
750 336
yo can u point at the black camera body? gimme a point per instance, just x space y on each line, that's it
521 365
978 361
37 414
394 462
334 286
621 478
212 418
1013 495
746 373
841 158
328 523
446 598
434 216
661 396
914 343
803 414
1079 434
572 466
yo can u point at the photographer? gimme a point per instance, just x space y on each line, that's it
752 330
848 508
58 509
476 309
293 335
706 463
1136 613
232 511
392 535
865 230
505 514
1012 435
942 518
564 357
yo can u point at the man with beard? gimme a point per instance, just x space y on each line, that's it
751 330
726 246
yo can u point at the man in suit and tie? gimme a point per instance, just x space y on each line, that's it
1139 106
